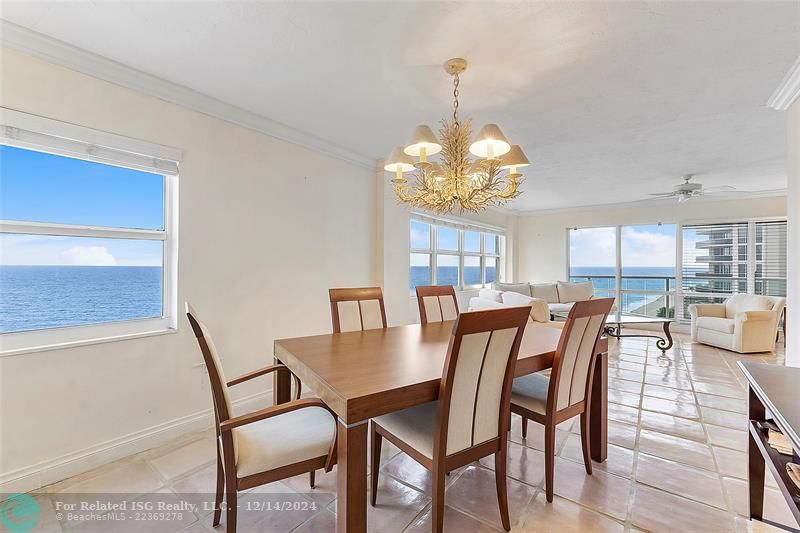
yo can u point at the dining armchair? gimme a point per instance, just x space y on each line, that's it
566 392
471 416
357 309
437 303
263 446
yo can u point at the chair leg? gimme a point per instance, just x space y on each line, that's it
220 488
524 428
549 458
230 502
376 439
587 458
311 482
437 507
500 459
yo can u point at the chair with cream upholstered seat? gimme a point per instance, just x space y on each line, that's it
565 393
267 445
471 416
437 303
357 309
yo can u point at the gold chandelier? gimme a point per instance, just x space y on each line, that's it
456 180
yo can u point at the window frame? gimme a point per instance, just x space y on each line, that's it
678 293
63 139
433 251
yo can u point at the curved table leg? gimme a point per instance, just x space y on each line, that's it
663 345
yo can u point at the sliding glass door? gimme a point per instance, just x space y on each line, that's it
593 257
648 270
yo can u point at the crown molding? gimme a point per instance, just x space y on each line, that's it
788 91
652 202
66 55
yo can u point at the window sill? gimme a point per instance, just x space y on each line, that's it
75 336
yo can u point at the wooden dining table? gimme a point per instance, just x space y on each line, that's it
364 374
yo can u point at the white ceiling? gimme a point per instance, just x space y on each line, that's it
610 101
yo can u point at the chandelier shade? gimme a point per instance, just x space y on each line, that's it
513 159
423 143
490 143
454 179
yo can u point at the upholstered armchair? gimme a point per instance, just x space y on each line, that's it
744 323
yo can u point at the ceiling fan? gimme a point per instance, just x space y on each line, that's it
688 189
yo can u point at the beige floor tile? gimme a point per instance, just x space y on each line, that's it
668 381
601 491
625 365
630 399
322 522
397 506
727 437
676 449
775 507
281 510
324 490
475 492
743 525
724 418
619 462
655 510
667 393
720 389
730 462
524 464
135 477
721 402
670 407
454 520
185 459
535 437
624 385
623 413
629 375
680 427
686 481
564 516
621 434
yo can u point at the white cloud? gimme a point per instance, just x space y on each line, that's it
592 247
88 255
642 248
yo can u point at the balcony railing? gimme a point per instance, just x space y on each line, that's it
640 295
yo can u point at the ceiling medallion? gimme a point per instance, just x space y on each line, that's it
456 180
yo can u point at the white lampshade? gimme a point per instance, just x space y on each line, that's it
514 158
423 137
398 160
490 142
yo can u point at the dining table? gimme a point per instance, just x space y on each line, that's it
365 374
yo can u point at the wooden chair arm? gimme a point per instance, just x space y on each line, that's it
266 370
269 412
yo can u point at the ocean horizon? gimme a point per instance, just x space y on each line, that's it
37 297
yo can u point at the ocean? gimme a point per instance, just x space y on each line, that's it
448 275
37 297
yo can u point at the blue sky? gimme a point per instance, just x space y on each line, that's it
39 187
642 246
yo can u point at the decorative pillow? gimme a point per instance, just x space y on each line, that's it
574 292
546 291
539 310
491 294
521 288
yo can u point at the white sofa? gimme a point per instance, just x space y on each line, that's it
547 298
744 323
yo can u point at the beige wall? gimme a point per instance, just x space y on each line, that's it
542 239
793 208
266 227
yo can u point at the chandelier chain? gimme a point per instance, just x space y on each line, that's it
456 81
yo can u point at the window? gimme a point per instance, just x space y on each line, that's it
88 251
445 253
637 264
593 257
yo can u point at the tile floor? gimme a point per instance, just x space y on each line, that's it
676 462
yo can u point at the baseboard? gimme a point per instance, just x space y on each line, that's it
45 473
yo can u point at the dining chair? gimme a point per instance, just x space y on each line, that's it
357 309
471 416
566 392
437 303
263 446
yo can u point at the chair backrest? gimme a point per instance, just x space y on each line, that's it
573 364
437 303
739 303
475 391
357 309
219 387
